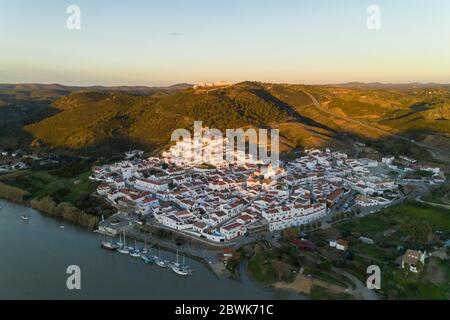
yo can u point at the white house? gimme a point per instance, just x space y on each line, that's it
366 201
171 221
200 226
151 185
147 204
413 260
341 245
233 230
103 189
388 159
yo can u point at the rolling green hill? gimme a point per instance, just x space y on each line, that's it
117 118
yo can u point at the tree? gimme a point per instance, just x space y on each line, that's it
419 232
290 233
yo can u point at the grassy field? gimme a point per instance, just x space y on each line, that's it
366 225
439 219
260 270
412 226
41 184
269 266
431 283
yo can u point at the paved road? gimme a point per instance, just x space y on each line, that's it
360 288
418 198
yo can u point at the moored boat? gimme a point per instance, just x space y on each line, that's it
159 261
108 245
135 252
145 250
147 259
123 248
178 268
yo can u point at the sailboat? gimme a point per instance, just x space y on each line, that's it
135 252
119 243
159 261
145 250
123 248
147 259
179 269
108 245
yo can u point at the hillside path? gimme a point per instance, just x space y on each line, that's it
432 150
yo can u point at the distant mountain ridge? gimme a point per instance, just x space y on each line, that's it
67 88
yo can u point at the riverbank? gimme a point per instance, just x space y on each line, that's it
209 257
12 194
48 206
68 212
59 197
65 211
39 251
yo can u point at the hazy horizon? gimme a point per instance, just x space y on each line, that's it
187 83
150 43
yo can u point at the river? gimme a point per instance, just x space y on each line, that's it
34 256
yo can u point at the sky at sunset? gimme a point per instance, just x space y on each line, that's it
165 42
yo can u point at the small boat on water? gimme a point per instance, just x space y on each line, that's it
119 243
145 251
147 259
135 252
123 247
159 261
123 250
24 217
178 268
108 245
